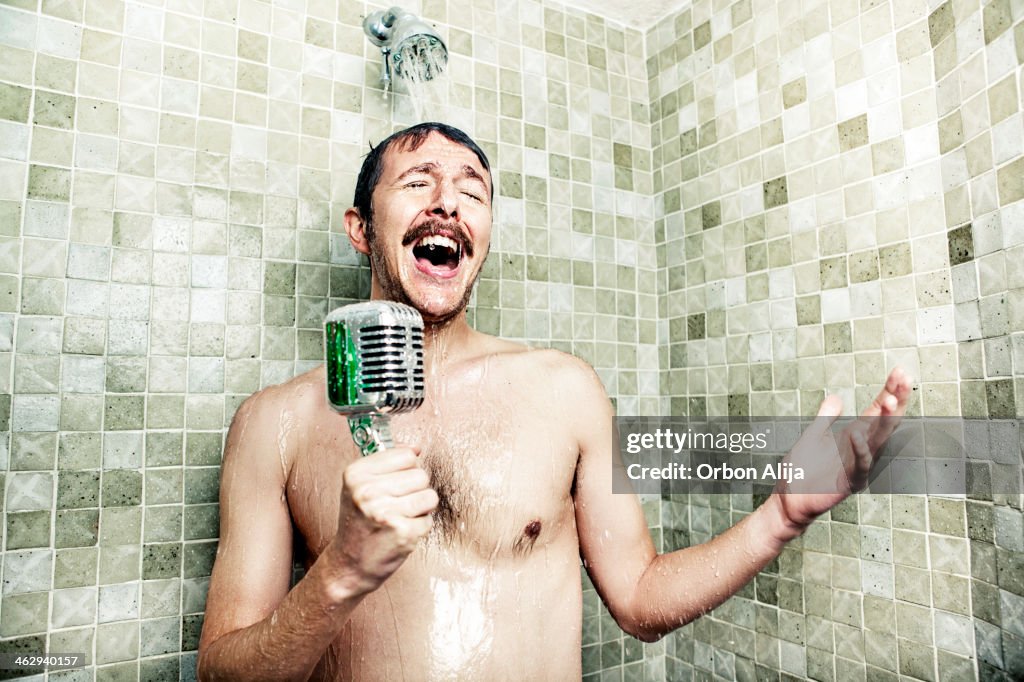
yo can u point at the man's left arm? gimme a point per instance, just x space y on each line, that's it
649 594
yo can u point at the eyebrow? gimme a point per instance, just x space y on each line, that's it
470 172
430 166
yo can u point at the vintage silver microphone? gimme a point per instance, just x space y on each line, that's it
374 367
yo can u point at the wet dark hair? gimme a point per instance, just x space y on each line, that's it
408 139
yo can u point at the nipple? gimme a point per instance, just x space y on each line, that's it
524 543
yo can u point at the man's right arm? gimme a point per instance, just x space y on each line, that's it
254 627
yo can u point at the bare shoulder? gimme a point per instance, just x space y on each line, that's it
566 390
569 370
298 395
553 372
265 419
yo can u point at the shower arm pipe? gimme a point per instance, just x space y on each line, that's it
385 68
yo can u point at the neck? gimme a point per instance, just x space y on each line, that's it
445 342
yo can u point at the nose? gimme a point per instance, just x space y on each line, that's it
446 201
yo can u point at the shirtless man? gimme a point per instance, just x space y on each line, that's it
455 555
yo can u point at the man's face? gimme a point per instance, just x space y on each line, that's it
431 227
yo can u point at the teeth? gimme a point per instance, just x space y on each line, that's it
439 240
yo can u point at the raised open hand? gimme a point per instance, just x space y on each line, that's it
836 465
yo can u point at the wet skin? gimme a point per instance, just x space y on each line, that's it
457 557
498 579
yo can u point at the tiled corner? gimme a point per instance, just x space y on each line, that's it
891 221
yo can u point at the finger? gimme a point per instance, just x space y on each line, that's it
889 407
386 461
882 416
893 398
829 410
377 501
420 503
413 528
403 482
882 428
864 456
900 386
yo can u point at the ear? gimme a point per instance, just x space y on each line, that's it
355 227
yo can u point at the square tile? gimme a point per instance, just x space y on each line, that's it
24 614
28 529
73 606
118 602
117 642
27 571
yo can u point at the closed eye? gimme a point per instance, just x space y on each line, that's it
471 189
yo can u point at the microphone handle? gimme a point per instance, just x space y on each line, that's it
371 432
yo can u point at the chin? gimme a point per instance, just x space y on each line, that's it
434 312
438 307
437 299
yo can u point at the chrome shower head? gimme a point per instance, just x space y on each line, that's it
411 48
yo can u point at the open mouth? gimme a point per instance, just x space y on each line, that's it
438 248
438 252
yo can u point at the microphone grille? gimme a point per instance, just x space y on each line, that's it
374 358
392 365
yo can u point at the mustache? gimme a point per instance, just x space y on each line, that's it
433 226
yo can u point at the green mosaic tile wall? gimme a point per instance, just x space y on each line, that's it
838 190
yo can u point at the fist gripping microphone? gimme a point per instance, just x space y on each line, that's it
374 367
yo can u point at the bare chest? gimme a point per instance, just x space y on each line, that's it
503 472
